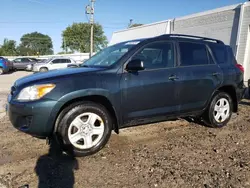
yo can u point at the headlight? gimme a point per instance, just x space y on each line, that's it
35 92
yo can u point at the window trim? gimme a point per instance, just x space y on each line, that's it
150 43
193 42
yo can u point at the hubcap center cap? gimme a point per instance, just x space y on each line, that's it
85 130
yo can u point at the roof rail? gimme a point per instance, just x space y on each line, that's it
194 37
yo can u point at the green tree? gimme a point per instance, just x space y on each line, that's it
77 37
8 48
25 51
135 25
35 43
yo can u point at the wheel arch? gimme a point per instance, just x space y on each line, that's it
231 91
43 67
97 98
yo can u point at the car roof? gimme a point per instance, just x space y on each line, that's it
179 37
61 57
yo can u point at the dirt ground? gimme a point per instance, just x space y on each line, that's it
170 154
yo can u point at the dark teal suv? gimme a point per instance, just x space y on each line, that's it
127 84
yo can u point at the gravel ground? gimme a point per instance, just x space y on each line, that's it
168 154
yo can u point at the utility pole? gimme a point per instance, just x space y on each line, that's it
130 23
90 11
65 46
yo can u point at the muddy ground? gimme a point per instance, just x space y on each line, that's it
170 154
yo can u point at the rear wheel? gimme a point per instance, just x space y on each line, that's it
220 111
84 128
43 69
1 71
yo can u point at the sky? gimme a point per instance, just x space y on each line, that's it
51 17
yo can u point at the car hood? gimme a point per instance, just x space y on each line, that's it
54 74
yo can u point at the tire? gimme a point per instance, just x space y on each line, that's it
1 71
68 125
220 104
43 69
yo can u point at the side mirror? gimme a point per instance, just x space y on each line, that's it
135 65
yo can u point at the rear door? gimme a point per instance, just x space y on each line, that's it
199 76
24 63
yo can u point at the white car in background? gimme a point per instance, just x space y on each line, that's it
53 64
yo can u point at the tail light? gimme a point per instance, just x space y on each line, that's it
5 63
240 67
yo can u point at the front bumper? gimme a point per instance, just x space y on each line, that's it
29 68
34 118
35 69
6 69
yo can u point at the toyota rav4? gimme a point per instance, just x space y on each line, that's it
131 83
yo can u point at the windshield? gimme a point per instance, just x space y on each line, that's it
45 60
109 55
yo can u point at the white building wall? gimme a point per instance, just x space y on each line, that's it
145 31
230 24
244 30
220 24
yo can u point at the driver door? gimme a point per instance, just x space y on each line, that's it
151 92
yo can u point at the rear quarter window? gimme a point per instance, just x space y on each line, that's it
220 53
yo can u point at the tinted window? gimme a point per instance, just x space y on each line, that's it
17 60
67 61
32 59
193 54
25 60
231 57
157 55
220 53
56 61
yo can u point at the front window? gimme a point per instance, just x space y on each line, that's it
109 55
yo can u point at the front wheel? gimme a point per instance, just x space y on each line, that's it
219 111
84 128
43 69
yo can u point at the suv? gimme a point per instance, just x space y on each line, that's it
127 84
52 64
5 65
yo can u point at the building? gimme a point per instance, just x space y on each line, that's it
230 24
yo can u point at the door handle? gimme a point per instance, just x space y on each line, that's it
173 77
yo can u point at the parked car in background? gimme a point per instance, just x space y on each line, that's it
22 63
53 64
127 84
5 65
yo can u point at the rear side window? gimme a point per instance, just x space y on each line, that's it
193 54
231 57
56 61
220 54
67 61
25 60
